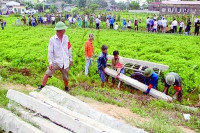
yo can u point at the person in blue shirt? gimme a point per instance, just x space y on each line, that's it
151 79
112 22
102 64
124 24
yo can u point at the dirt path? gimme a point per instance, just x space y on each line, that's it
16 87
121 113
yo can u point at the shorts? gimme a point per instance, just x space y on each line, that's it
102 75
63 71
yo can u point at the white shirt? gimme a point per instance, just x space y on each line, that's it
172 26
196 20
155 25
53 18
129 23
97 21
182 24
147 21
86 18
164 23
45 19
60 52
116 27
175 23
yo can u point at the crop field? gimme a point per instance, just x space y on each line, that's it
23 60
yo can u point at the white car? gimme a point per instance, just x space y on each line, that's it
31 11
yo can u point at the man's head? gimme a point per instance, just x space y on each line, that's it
91 37
148 72
104 49
60 28
116 54
170 80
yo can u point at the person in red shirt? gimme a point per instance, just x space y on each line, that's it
89 51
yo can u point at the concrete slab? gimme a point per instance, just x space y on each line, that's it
138 85
143 63
45 125
9 122
81 117
74 104
74 123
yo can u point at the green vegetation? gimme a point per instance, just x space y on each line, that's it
23 60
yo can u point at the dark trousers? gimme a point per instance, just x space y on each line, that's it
175 29
180 30
148 27
196 31
97 25
111 26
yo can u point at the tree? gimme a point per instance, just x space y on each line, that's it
28 5
112 2
122 5
63 6
81 3
38 6
53 8
101 3
134 5
94 7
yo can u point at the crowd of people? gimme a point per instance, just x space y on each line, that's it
60 58
161 25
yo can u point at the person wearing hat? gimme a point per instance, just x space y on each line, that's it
175 80
118 65
89 52
102 64
59 55
151 79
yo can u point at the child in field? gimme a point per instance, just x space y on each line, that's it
116 26
102 64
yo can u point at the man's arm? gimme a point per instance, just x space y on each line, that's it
50 52
70 52
86 49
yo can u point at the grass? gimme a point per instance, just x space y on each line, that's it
3 99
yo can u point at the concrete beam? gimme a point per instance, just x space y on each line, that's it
138 85
143 63
9 122
81 117
66 119
76 105
45 125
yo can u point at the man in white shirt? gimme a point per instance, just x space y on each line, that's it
155 26
164 25
59 55
181 27
175 24
97 23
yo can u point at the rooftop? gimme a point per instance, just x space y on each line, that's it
182 2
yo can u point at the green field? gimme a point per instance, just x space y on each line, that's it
23 60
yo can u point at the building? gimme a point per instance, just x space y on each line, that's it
176 7
8 7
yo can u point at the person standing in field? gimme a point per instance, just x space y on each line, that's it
171 28
151 79
124 24
118 65
112 21
53 19
197 25
188 28
136 25
97 21
86 21
108 23
33 21
116 26
2 24
173 79
181 27
102 64
129 24
24 19
89 52
175 24
164 25
79 22
59 55
155 26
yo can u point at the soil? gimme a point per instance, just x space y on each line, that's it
113 110
16 87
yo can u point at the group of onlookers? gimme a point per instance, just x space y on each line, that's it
2 24
162 25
